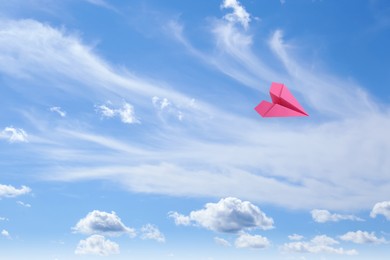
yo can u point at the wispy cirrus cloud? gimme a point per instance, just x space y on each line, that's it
322 216
23 204
104 4
222 242
59 111
247 154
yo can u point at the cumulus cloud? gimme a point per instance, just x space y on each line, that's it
322 216
13 135
21 203
58 110
222 242
97 245
239 15
229 215
245 240
9 191
319 244
126 112
295 237
381 208
149 231
100 222
5 233
362 237
179 218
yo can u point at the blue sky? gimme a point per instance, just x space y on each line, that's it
128 130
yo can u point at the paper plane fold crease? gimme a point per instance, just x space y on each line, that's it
283 103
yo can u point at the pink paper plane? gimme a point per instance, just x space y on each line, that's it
283 103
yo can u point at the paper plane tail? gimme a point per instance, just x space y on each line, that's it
263 108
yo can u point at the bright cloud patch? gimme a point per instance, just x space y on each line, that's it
152 232
9 191
100 222
318 245
13 135
322 216
126 112
228 215
239 15
160 103
180 219
97 245
58 110
362 237
245 240
381 208
163 105
5 233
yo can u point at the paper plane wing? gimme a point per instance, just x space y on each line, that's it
283 103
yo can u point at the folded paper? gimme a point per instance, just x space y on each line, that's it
283 103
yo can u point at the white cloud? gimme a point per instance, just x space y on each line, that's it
21 203
239 15
3 219
324 240
362 237
222 242
164 106
282 2
9 191
322 216
227 215
97 245
305 175
160 103
180 219
152 232
125 113
5 233
100 222
245 240
58 110
106 111
295 237
13 134
319 244
381 208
